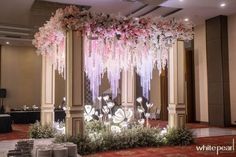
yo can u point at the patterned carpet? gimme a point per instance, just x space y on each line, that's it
163 124
20 131
175 151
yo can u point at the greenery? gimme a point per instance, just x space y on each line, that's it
94 126
180 137
96 138
36 130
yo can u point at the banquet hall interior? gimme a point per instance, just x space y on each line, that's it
186 85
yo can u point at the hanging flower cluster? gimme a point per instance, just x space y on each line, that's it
112 44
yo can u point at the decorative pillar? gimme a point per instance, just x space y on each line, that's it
48 92
128 89
74 84
176 86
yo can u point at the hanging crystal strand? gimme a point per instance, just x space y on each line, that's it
62 58
113 70
159 61
145 73
165 58
96 70
93 67
55 56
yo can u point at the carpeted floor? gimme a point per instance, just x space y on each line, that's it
176 151
20 131
163 124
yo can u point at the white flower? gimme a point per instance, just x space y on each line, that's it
115 129
94 135
139 100
141 121
89 112
110 104
96 113
147 115
100 116
124 124
164 131
149 105
140 109
100 98
106 98
122 116
105 109
109 116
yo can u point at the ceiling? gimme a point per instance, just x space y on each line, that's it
19 19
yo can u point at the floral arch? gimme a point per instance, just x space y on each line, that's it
112 44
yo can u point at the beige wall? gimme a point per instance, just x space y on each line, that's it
232 64
21 76
155 92
200 67
201 70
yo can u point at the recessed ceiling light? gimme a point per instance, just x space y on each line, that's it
7 42
186 19
181 0
222 5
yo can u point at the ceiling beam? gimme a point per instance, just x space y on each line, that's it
148 12
15 28
172 12
137 10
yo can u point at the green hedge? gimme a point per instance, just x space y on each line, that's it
180 137
137 136
37 131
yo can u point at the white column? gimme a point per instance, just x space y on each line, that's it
176 86
128 89
74 84
48 92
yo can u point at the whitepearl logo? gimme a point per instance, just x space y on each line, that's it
218 148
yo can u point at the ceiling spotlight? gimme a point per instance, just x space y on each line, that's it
186 19
7 42
181 0
222 5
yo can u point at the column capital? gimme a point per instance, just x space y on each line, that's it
75 110
47 108
178 108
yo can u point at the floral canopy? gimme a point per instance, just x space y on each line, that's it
112 44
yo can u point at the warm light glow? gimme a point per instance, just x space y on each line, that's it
7 42
186 19
222 5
